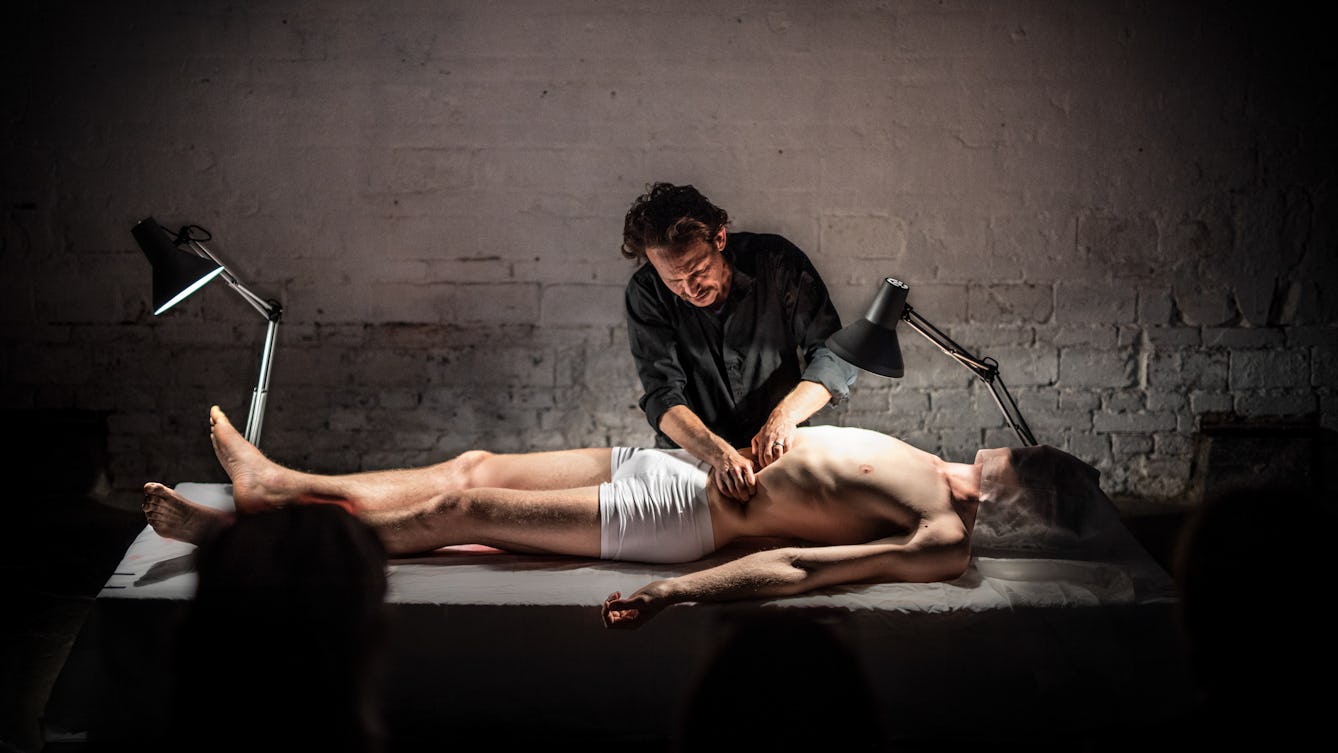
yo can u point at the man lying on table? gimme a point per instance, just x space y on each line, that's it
874 508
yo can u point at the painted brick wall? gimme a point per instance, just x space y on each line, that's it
1128 205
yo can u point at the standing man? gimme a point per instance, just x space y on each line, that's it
718 323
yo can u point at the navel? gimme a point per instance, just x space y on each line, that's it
865 469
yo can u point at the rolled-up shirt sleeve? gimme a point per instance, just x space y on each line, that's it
825 368
813 320
652 341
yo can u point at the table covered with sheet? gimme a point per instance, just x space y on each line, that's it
1063 627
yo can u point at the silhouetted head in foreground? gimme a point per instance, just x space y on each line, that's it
282 644
1253 569
780 682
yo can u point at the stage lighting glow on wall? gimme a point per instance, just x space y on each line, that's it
182 264
871 344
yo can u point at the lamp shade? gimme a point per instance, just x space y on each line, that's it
871 343
176 273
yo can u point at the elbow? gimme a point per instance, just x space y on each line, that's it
951 557
791 573
956 561
943 556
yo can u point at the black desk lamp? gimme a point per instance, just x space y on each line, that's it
871 344
177 273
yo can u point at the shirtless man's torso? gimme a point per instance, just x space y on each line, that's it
845 485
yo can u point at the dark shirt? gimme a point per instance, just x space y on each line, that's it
734 367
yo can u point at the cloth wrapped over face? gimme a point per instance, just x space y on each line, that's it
1042 499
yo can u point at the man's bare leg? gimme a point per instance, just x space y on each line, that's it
173 516
548 521
259 483
554 522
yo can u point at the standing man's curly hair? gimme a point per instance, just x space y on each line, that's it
669 216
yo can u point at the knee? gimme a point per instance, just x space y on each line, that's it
466 471
474 466
472 459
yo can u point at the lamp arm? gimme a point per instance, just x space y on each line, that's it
256 416
944 343
1011 413
987 369
273 312
269 309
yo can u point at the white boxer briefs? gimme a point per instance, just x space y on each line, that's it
655 509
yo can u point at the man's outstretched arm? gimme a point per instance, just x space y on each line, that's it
934 554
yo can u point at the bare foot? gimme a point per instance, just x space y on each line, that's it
257 481
173 516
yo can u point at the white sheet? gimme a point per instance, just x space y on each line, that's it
998 577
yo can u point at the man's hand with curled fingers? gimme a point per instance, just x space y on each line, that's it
773 440
734 476
732 471
777 435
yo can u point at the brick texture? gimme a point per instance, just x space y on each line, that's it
1128 205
